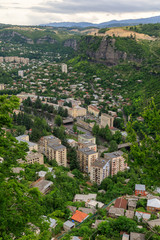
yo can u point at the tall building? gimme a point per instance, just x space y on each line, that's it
85 138
64 68
106 120
2 86
85 158
117 161
52 148
33 157
94 110
21 73
100 169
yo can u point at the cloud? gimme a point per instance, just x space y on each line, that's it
84 6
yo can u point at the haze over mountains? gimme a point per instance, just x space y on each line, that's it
113 23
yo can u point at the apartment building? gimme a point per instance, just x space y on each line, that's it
117 162
52 148
57 152
33 157
93 110
106 120
85 158
77 111
64 68
89 145
100 169
25 138
85 138
1 86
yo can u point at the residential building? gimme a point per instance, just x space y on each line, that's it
21 73
117 162
44 141
59 153
121 203
44 186
87 210
116 212
125 236
68 225
97 222
89 145
33 157
25 138
64 68
100 169
79 216
153 205
154 223
129 214
72 208
137 236
94 204
1 86
93 110
77 111
85 138
52 222
142 215
132 204
140 189
84 197
85 158
106 119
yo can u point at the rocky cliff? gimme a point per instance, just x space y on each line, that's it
46 39
71 43
13 36
104 50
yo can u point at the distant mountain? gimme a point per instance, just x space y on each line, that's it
113 23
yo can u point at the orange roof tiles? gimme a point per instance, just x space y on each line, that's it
79 216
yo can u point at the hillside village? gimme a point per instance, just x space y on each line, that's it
73 127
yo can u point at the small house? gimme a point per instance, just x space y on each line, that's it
79 216
129 214
142 215
116 212
132 204
140 189
68 225
137 236
121 203
153 205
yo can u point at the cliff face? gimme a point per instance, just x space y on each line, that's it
71 43
104 51
46 39
15 36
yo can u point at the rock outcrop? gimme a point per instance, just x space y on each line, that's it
71 43
46 39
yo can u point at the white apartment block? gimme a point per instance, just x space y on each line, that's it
118 162
64 68
100 169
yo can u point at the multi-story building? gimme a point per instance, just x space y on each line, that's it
77 111
64 68
100 169
106 120
89 145
118 162
57 152
52 148
21 73
94 110
33 157
85 138
2 86
85 158
25 138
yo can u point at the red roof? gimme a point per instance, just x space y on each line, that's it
79 216
121 203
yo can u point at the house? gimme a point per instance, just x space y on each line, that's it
93 110
125 236
97 222
52 222
137 236
17 170
116 212
121 203
142 215
153 205
154 223
79 216
84 197
68 225
42 174
43 185
132 204
76 238
87 210
94 204
72 208
140 190
129 214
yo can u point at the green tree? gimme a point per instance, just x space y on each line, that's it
58 120
95 129
113 146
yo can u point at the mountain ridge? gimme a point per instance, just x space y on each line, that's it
112 23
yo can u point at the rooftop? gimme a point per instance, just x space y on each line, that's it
121 203
113 154
87 151
153 203
100 163
140 187
79 216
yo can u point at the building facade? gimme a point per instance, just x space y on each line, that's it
93 110
106 120
117 162
100 169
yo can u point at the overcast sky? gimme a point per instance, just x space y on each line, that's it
33 12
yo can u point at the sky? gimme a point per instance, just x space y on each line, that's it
35 12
